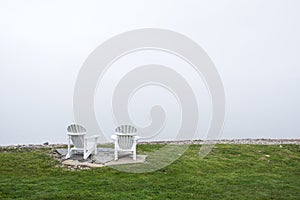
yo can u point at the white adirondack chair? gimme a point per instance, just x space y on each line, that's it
86 145
125 140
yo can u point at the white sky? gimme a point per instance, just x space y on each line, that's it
254 44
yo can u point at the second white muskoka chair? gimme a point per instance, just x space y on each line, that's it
86 145
125 140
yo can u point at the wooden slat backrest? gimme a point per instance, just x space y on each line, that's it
125 134
77 138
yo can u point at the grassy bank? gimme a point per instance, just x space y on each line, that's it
228 172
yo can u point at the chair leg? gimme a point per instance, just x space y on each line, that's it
69 154
85 149
116 154
134 150
69 149
85 155
134 154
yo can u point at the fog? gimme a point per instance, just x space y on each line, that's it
254 45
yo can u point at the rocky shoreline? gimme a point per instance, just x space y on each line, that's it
234 141
223 141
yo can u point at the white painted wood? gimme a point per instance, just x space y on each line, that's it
82 144
125 139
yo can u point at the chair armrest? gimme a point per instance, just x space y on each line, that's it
92 137
136 138
114 137
76 134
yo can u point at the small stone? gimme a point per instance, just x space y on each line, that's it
268 156
262 158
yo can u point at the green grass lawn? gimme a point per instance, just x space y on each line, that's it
228 172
